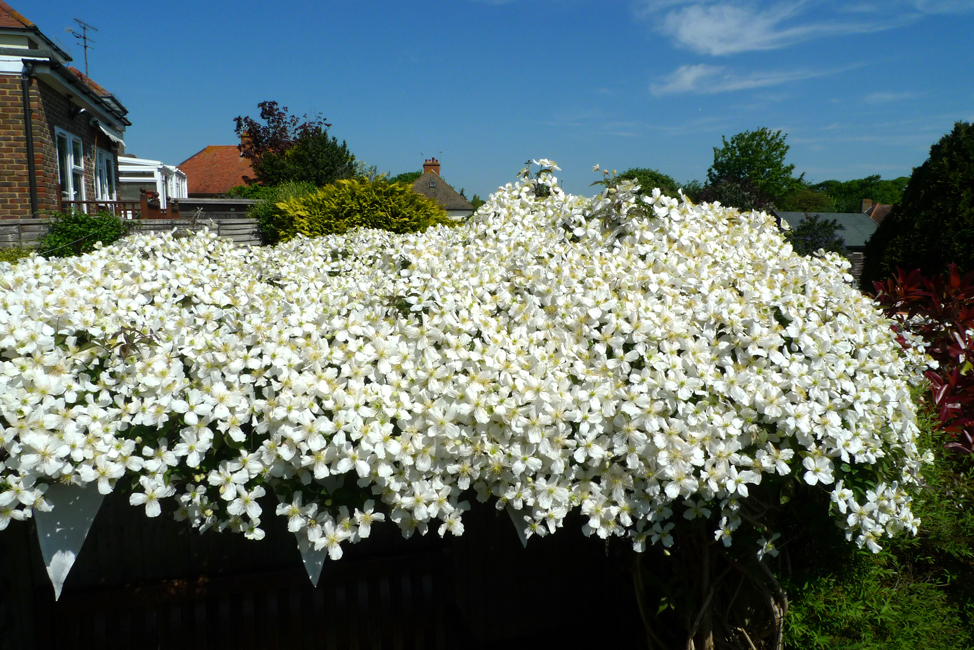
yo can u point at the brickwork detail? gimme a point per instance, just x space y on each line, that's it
49 109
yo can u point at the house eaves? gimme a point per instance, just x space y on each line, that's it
105 108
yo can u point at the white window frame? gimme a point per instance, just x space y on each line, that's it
68 191
106 182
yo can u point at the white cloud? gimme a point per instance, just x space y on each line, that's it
708 79
724 27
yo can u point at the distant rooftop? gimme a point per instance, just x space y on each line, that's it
857 228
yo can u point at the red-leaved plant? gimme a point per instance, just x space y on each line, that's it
940 310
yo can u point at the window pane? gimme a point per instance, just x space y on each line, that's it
78 153
78 179
62 167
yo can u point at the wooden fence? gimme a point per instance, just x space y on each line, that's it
243 231
155 583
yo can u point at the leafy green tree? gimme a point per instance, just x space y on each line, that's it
692 190
814 233
933 225
476 202
733 192
647 179
406 177
283 148
809 200
758 157
847 196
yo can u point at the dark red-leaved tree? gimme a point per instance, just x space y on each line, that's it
282 147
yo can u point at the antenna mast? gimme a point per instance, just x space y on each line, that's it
83 37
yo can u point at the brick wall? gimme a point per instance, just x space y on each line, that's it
49 109
14 190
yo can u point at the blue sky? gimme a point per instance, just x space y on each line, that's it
860 87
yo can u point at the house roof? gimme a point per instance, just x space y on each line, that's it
442 193
857 228
216 169
879 212
11 19
98 90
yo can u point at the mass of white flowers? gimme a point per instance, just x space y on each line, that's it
635 358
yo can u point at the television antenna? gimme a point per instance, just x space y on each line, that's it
83 37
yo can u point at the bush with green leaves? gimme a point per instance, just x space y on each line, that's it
271 224
814 233
76 233
648 179
347 204
14 254
918 592
934 223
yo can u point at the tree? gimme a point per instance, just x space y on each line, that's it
286 149
406 177
734 192
847 196
814 233
647 179
758 157
809 200
934 223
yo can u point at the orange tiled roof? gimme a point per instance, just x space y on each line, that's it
10 18
91 84
216 169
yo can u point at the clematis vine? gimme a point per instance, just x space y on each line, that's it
638 359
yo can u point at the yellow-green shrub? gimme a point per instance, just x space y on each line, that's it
14 254
347 204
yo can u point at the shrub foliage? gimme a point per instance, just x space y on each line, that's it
13 254
348 204
273 225
814 233
934 224
76 233
918 592
940 312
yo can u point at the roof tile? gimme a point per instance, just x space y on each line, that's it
442 193
11 19
216 169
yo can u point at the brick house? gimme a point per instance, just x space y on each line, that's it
212 171
430 184
60 132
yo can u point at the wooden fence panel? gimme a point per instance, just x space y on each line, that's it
243 231
20 232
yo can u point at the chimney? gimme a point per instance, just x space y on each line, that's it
244 141
432 165
867 204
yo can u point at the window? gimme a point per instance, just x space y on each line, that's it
104 176
432 183
70 166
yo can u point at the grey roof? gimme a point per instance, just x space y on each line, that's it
442 193
857 228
